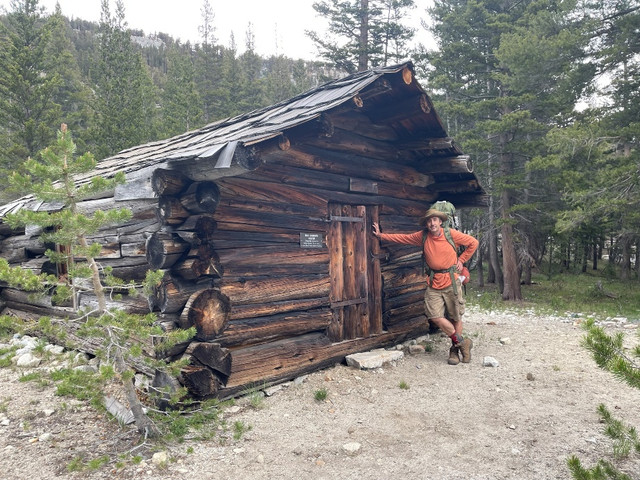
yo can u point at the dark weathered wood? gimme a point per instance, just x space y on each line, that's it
251 291
237 239
265 329
247 220
168 182
194 267
172 294
405 308
360 124
132 227
398 299
374 276
163 249
278 193
275 255
201 261
163 386
203 226
432 146
170 211
458 164
268 308
290 358
402 276
244 160
399 110
208 311
173 352
199 380
335 330
316 158
201 197
212 355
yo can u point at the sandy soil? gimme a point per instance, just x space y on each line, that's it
520 420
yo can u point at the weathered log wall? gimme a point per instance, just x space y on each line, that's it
234 267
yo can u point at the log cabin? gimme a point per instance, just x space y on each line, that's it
261 225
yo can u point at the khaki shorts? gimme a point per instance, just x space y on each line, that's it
443 303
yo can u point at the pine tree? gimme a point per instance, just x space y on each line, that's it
507 73
125 93
52 178
73 94
182 105
28 108
363 33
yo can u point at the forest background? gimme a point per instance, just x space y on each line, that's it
542 94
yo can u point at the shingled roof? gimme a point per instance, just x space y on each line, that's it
219 140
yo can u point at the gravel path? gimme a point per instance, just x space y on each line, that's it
519 420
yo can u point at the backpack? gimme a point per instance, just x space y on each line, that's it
450 210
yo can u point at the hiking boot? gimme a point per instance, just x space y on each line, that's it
453 355
465 347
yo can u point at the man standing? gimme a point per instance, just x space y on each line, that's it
444 302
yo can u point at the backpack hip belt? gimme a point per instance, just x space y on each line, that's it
451 270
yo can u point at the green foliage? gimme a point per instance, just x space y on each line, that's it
363 35
80 384
602 471
321 394
403 385
625 443
566 293
196 421
609 354
239 429
625 438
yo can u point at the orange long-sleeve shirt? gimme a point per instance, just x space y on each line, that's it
438 251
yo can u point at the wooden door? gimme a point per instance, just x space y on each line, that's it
356 283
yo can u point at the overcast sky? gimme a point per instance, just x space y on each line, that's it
278 25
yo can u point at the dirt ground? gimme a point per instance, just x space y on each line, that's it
519 420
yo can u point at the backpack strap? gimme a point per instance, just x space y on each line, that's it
427 270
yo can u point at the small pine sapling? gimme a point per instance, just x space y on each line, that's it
59 177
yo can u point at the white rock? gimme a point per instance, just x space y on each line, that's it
490 362
269 391
373 359
28 360
54 349
45 437
352 447
160 458
48 412
505 341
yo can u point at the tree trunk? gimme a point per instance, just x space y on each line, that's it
363 39
143 422
509 256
